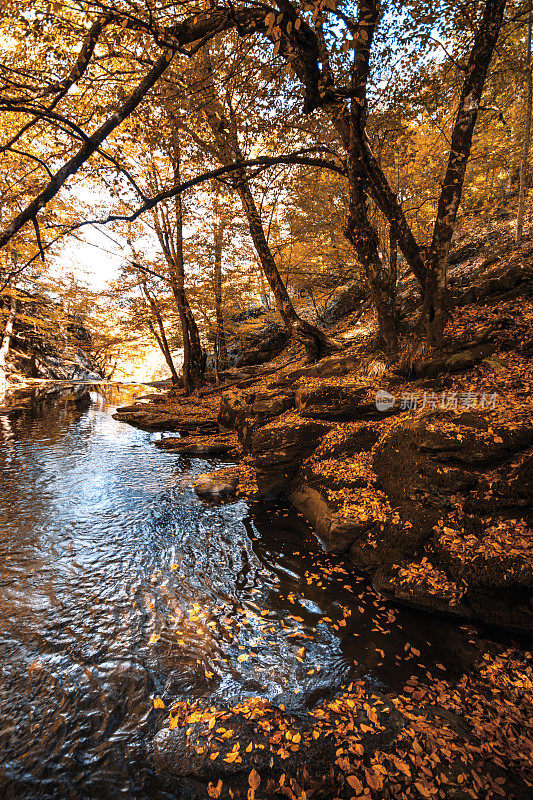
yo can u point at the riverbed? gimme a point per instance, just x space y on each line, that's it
119 587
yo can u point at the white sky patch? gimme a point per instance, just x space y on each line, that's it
95 259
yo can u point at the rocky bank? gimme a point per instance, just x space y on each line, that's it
430 487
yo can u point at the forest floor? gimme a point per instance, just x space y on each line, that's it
421 472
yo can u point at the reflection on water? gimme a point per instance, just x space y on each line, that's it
118 585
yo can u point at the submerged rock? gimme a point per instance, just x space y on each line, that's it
217 485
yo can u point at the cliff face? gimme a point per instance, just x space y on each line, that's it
48 343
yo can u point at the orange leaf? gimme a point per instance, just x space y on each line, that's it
254 779
355 783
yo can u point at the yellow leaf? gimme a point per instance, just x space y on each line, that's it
158 703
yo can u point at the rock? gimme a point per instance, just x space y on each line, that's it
346 439
185 751
149 420
338 365
328 400
245 411
454 362
515 276
235 405
83 369
264 345
474 446
289 377
469 250
217 485
336 532
199 445
278 448
270 403
183 415
467 358
490 561
347 299
428 587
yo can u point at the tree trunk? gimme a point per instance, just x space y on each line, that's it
6 341
436 304
228 150
193 355
393 266
364 239
303 49
527 133
161 337
316 343
171 241
221 351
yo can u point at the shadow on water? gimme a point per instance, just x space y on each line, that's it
118 585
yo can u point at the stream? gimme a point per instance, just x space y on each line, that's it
118 586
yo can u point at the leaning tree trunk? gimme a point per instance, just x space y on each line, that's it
228 150
163 346
317 344
527 133
6 341
193 355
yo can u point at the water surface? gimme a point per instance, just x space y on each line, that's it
117 585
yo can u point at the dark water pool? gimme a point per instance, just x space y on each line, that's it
117 585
